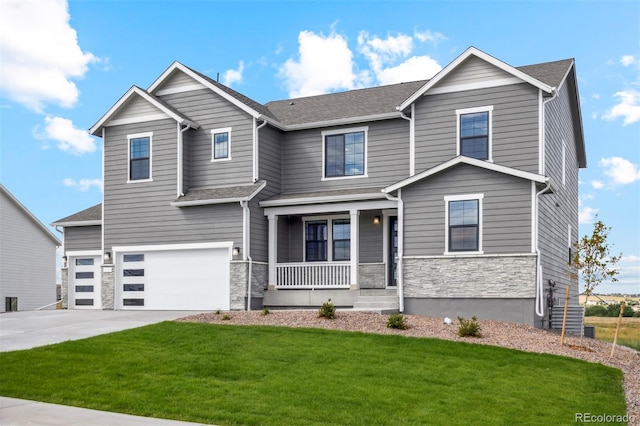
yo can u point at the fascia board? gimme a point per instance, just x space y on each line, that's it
77 223
208 202
342 121
469 161
322 200
456 62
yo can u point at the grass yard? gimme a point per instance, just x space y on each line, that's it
629 334
237 375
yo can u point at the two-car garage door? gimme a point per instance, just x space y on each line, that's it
177 277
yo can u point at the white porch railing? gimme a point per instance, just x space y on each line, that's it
313 275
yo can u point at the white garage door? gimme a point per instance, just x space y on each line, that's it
84 280
173 279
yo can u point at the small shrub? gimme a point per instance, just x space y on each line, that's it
226 317
265 311
218 312
397 321
469 327
595 311
327 310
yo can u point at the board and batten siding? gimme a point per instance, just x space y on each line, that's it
27 259
82 238
506 211
387 158
212 112
559 210
515 130
139 213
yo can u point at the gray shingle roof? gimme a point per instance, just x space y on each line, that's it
550 73
222 194
91 214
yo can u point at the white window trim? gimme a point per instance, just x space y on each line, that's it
226 130
136 136
462 197
329 220
325 133
489 109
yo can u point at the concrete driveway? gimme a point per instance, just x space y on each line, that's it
29 329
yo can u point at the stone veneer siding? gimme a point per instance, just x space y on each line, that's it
107 286
484 276
371 275
64 287
238 284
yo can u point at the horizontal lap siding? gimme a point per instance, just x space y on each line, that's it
211 111
83 238
515 134
506 211
140 213
473 70
387 158
137 107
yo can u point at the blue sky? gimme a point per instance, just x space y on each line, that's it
64 64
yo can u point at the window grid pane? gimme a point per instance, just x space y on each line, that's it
474 135
341 239
316 241
221 145
344 154
463 225
140 155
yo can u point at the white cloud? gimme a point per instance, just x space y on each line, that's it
427 35
628 108
83 185
325 64
586 215
627 60
414 68
40 53
620 170
596 184
233 76
69 137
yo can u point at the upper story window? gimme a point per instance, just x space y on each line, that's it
344 153
221 144
474 132
464 223
140 156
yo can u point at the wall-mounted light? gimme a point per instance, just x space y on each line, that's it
64 261
236 251
376 220
107 256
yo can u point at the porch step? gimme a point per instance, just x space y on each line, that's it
377 300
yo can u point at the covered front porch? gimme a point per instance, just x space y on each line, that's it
339 250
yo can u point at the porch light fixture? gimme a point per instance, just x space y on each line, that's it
376 220
107 256
64 261
236 251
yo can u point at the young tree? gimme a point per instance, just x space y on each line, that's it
593 260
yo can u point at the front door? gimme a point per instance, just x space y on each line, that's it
392 261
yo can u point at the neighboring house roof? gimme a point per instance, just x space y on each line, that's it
29 215
86 217
471 162
316 197
219 195
156 102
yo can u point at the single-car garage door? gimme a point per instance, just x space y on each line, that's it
189 277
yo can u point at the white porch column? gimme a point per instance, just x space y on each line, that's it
273 250
355 247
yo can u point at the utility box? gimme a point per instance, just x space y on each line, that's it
590 331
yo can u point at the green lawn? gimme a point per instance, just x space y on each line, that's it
228 375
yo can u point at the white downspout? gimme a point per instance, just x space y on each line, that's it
256 147
398 199
180 184
246 226
539 303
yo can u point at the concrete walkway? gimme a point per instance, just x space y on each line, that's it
29 329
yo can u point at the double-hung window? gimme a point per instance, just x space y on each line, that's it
474 132
327 239
344 152
140 156
221 144
464 223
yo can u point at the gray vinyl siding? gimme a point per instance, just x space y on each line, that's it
560 209
137 107
79 238
270 164
27 259
506 209
387 158
177 81
474 70
371 239
515 131
211 112
140 212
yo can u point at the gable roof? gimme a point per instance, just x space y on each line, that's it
87 217
471 162
156 102
29 215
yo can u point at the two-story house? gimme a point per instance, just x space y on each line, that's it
452 196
